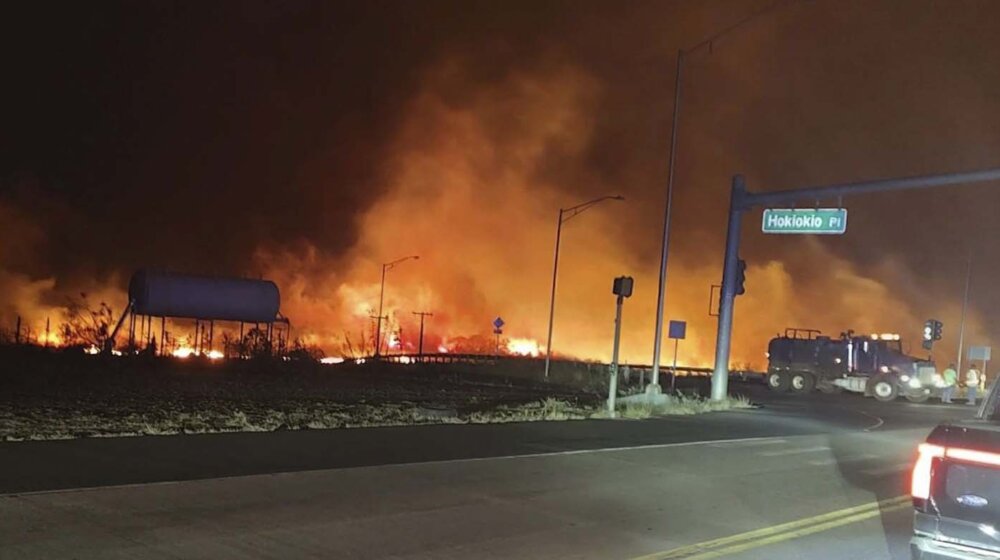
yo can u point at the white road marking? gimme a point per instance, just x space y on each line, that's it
749 443
878 421
823 462
890 469
795 451
864 457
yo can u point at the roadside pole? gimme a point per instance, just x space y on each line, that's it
622 288
676 331
673 370
613 370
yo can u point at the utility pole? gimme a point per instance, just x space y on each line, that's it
965 306
420 345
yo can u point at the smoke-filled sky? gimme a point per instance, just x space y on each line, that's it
309 142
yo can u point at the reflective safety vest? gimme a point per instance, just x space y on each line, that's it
972 378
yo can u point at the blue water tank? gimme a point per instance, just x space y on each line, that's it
164 294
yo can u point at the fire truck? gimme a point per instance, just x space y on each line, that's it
803 360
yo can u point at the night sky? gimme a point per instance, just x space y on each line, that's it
310 141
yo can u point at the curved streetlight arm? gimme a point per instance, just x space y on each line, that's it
389 265
565 214
712 38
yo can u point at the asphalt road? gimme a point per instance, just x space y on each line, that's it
816 477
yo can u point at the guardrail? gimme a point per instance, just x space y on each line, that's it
632 369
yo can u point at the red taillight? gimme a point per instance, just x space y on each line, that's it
973 456
921 484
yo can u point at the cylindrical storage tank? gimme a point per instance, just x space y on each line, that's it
163 294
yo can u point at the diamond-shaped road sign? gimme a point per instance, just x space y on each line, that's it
498 323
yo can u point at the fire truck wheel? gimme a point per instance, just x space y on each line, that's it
884 388
778 381
802 382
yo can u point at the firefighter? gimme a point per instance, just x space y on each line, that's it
950 377
972 379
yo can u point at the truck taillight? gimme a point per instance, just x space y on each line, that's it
920 487
973 456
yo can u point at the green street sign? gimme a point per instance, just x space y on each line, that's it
828 221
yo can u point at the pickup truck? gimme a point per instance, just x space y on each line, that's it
956 488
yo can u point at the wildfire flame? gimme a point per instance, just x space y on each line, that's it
523 347
185 352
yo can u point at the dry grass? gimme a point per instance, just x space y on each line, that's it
683 405
220 417
216 417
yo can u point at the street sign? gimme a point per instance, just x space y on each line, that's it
828 221
498 323
979 353
677 329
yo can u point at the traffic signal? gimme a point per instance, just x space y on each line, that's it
932 332
741 276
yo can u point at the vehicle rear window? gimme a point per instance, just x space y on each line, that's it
970 492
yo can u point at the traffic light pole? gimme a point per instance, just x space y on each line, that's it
720 377
740 201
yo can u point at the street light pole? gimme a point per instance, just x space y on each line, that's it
552 296
381 295
654 387
565 215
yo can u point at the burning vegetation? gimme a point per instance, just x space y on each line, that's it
467 166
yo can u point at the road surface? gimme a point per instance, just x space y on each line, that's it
820 477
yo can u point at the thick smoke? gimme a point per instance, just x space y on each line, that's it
456 132
470 193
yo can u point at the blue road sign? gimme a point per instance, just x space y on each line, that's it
677 329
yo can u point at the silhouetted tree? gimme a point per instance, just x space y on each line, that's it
86 325
303 351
